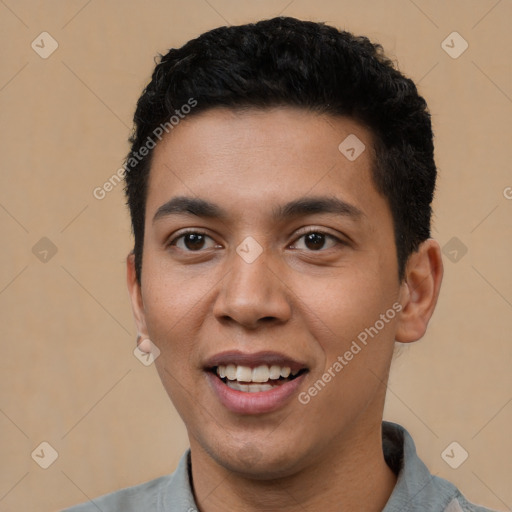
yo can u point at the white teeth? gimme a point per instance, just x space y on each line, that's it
243 374
285 372
231 371
259 374
275 372
249 388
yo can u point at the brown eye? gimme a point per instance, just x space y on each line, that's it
193 241
316 241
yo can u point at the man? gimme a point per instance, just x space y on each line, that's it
280 183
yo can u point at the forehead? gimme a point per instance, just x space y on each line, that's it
261 159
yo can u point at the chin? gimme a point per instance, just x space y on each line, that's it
259 461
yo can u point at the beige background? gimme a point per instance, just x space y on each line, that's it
68 373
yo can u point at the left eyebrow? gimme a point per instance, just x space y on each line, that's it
311 205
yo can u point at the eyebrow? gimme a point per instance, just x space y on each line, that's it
189 205
312 205
299 207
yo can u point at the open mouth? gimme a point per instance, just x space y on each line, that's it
257 379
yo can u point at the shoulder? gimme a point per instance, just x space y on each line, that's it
416 488
461 504
139 497
170 493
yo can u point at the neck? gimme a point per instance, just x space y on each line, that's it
351 475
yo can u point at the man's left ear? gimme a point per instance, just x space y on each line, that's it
419 291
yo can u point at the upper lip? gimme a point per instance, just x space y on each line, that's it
253 360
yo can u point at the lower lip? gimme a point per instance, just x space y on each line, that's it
261 402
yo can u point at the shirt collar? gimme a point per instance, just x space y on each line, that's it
416 488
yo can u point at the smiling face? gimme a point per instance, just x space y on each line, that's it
265 247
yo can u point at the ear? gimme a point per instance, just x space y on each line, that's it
134 290
419 291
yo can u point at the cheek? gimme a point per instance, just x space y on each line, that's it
172 302
172 318
354 323
357 349
347 303
173 293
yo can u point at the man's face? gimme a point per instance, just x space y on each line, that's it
258 279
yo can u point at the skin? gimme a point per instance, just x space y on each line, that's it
304 300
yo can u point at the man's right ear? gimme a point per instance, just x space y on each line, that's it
134 289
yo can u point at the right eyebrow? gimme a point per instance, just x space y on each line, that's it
189 205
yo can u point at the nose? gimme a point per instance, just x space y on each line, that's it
252 294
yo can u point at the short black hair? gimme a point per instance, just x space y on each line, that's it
289 62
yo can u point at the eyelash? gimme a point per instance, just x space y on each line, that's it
301 235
